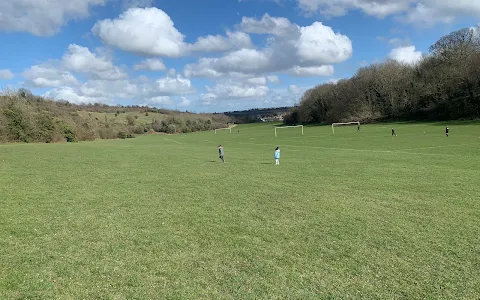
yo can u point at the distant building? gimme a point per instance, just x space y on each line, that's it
278 117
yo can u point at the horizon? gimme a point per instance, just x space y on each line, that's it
218 58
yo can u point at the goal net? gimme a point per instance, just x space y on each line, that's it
343 124
284 127
223 129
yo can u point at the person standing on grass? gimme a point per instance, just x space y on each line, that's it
393 132
277 156
446 131
358 128
220 153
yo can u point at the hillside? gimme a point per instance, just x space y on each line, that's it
25 117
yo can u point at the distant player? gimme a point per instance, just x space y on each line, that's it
276 155
358 128
446 131
393 132
220 153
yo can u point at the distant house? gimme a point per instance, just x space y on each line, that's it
278 117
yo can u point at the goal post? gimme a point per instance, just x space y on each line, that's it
283 127
342 124
223 129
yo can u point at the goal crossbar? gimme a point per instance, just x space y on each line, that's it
223 129
345 123
287 127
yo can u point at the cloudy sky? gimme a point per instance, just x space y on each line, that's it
210 55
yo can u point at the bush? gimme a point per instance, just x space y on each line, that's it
171 129
138 129
158 127
69 134
45 128
17 124
130 120
122 135
106 133
130 136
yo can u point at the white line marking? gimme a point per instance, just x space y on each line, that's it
172 141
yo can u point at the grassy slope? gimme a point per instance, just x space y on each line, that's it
351 215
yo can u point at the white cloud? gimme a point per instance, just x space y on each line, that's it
80 59
71 95
257 80
364 63
174 85
185 102
146 31
406 55
213 43
273 79
312 71
319 44
268 25
160 100
235 89
6 74
151 64
333 80
172 72
151 31
208 98
294 89
48 76
420 12
305 47
42 17
397 42
109 91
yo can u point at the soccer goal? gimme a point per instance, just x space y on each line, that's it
223 129
343 124
287 127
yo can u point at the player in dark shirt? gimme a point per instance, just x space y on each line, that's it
446 131
393 132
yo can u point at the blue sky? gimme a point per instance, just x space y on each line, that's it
210 56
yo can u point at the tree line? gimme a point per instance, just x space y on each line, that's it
25 117
443 85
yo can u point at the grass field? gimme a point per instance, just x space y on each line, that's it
345 216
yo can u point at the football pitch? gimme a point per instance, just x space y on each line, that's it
350 215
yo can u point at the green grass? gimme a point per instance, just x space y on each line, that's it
345 216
